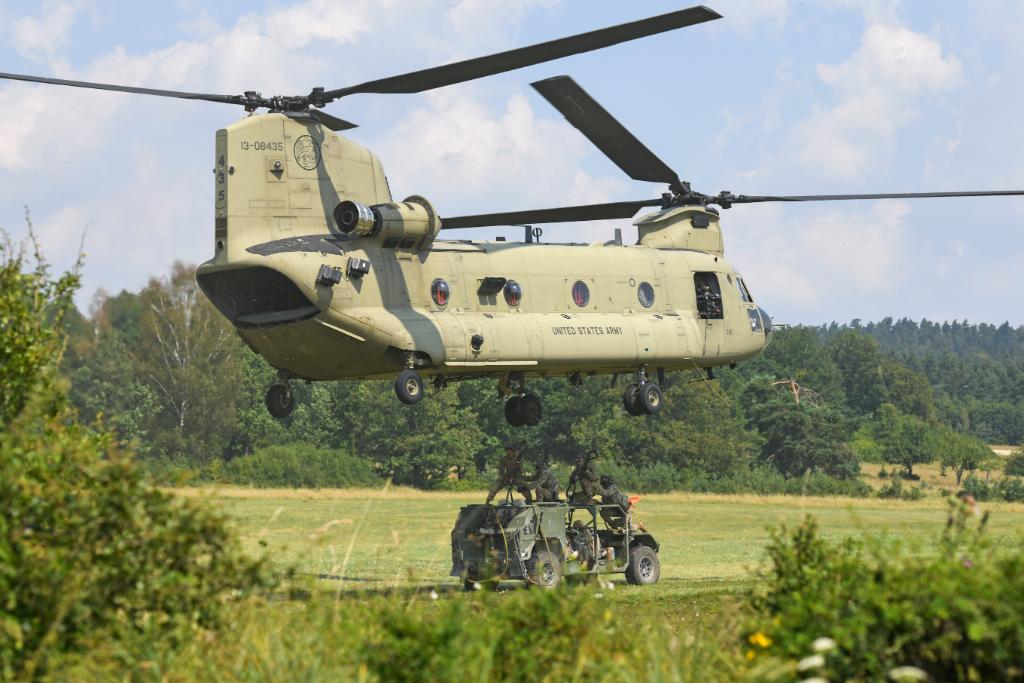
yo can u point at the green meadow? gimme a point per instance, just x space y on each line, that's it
359 539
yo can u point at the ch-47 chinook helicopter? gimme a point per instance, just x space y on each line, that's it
328 277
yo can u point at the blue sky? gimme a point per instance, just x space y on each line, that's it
779 97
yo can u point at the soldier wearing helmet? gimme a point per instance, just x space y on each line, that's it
510 475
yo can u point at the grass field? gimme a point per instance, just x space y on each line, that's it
710 545
386 553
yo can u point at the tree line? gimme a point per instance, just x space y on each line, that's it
167 373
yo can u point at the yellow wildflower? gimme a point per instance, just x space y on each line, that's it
760 639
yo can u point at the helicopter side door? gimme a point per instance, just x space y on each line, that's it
710 310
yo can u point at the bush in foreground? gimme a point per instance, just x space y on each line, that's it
955 616
419 636
87 549
87 546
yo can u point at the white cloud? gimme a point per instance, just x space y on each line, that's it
809 259
512 154
878 90
748 16
44 35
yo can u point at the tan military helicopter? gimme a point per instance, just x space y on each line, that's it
328 277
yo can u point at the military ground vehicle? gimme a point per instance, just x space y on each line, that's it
327 276
546 543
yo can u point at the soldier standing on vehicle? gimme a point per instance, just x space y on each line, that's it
545 484
510 474
584 476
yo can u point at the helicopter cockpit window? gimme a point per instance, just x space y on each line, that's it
755 320
709 296
744 292
645 294
440 292
580 293
513 293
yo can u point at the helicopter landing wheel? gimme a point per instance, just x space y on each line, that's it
409 387
531 409
650 398
514 411
631 399
280 401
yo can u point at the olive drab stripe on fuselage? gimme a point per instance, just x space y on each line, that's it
281 180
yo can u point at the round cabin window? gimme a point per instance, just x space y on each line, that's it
440 292
513 293
645 293
580 293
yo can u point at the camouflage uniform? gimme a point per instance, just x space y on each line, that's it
585 476
613 496
545 484
582 541
510 473
709 304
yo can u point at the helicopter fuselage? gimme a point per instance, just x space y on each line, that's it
318 303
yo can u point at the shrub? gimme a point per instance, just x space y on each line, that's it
298 465
764 480
955 615
470 481
580 634
1010 489
974 486
895 489
657 478
1015 464
86 546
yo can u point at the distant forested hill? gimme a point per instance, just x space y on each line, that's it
906 336
976 371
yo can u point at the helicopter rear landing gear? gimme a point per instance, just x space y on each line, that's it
643 397
279 399
522 409
409 387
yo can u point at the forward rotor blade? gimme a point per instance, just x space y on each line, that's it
226 99
564 214
332 122
729 198
440 76
607 134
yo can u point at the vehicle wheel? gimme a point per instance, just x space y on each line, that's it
644 567
631 399
514 411
544 569
650 398
409 386
531 409
280 401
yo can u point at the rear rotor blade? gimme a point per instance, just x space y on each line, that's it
440 76
607 134
227 99
726 198
564 214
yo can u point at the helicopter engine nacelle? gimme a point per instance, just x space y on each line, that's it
404 224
